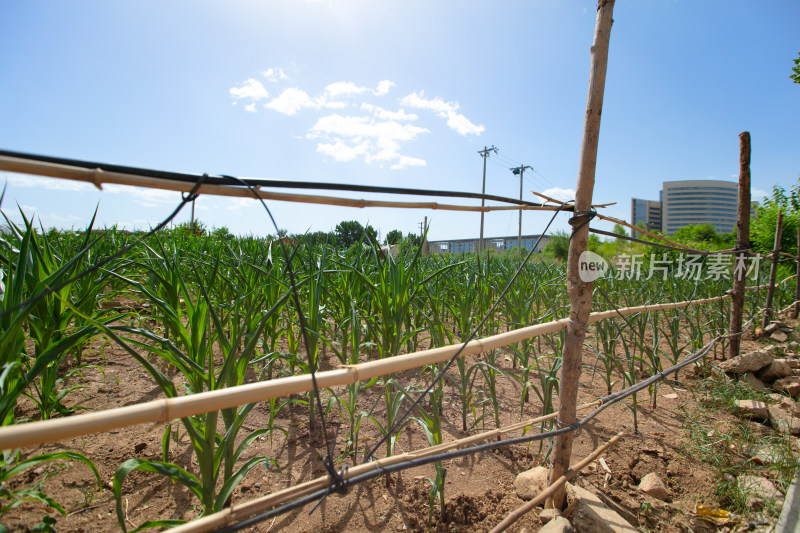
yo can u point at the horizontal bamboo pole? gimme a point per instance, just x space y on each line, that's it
516 514
236 513
650 234
99 177
166 409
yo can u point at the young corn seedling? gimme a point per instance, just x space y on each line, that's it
12 464
431 425
51 322
236 336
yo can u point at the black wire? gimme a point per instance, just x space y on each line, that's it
187 197
472 335
281 184
327 461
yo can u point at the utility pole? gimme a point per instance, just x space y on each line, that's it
423 234
484 153
520 170
191 223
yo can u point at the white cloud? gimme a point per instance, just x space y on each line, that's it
145 197
455 121
405 161
373 133
292 100
51 184
383 87
558 193
382 113
343 88
758 194
49 219
250 89
437 104
236 204
341 151
275 74
460 124
350 137
357 127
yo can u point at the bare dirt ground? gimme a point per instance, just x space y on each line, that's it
479 489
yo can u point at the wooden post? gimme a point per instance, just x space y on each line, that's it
742 244
773 272
797 280
580 292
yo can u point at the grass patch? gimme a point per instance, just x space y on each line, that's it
736 447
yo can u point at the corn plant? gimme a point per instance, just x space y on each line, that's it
12 464
50 321
235 329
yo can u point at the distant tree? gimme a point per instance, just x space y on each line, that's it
394 237
762 229
796 70
317 238
349 232
222 233
558 246
414 239
196 227
696 233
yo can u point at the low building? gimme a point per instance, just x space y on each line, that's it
499 244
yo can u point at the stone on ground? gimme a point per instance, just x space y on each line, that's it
589 515
753 381
759 490
782 421
653 485
531 482
778 368
790 385
779 336
749 362
790 406
558 524
548 514
752 409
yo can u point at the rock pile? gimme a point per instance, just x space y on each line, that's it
776 370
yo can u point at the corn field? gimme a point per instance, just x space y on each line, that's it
201 314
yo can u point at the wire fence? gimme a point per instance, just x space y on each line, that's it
168 409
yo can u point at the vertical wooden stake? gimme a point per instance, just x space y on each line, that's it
742 244
773 272
797 280
580 292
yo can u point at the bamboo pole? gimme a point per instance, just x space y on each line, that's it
166 409
651 234
98 177
773 272
742 244
516 514
580 292
236 513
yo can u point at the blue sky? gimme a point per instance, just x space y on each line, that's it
390 93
